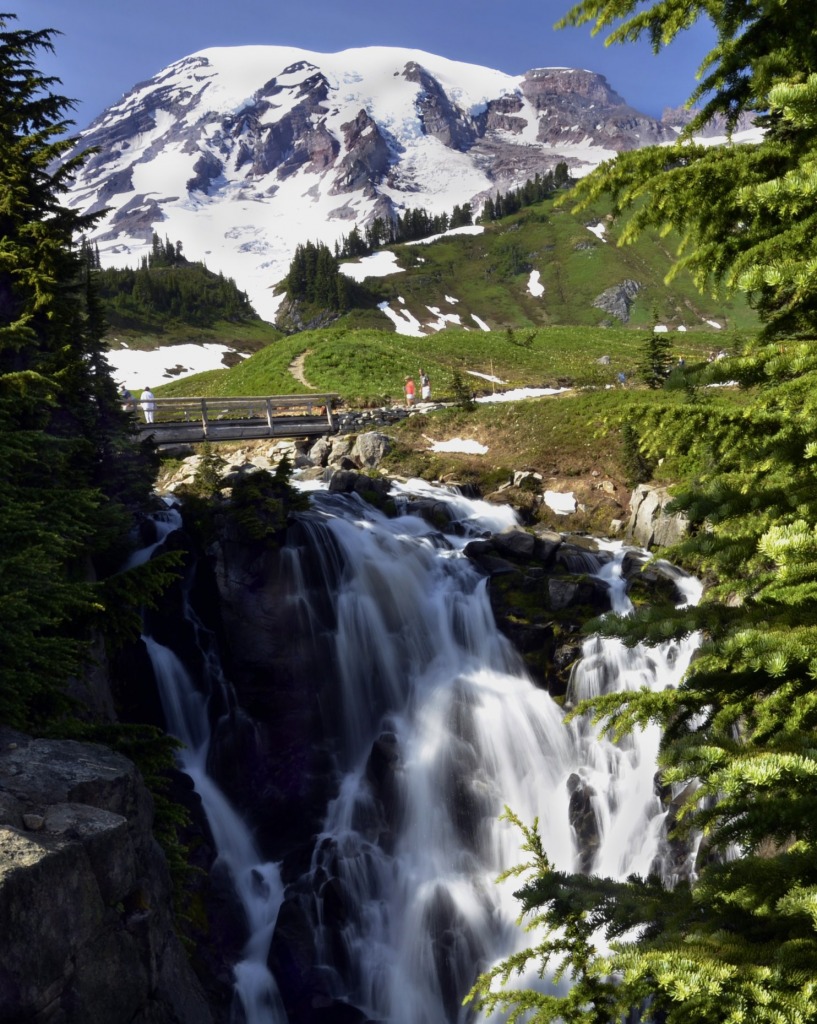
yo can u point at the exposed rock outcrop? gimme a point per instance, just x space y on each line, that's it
618 300
438 115
368 156
86 930
650 526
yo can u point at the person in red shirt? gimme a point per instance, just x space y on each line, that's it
410 392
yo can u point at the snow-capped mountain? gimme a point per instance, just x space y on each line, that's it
241 153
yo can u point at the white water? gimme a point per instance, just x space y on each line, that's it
421 670
422 664
257 884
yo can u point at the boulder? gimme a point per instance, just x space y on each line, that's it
370 448
650 526
514 543
86 933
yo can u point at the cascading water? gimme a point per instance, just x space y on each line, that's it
257 884
435 726
440 726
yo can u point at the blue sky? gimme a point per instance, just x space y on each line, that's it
108 46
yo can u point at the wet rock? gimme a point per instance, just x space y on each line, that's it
583 819
514 543
566 593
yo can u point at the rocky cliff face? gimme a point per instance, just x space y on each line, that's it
269 146
86 930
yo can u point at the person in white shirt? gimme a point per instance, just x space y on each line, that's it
148 402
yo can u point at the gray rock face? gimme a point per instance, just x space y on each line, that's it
649 525
86 934
368 156
618 300
581 105
438 115
370 448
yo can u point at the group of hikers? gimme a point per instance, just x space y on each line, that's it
147 402
411 390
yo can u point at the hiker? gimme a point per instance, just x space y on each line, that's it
410 392
425 386
148 402
126 398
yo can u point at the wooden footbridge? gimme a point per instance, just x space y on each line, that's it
187 420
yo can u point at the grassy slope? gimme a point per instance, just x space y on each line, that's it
368 366
489 275
573 440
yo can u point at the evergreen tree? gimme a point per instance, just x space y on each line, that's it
657 359
68 470
737 943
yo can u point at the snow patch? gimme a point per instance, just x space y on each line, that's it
459 444
561 504
442 318
379 264
519 393
486 376
714 323
480 323
403 321
136 370
451 299
599 230
535 287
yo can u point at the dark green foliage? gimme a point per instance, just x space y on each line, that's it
463 395
738 943
657 360
70 474
261 503
410 226
533 191
314 278
638 467
178 291
163 254
207 480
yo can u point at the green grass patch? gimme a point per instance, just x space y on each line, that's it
368 367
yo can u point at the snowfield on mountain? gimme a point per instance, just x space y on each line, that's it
240 153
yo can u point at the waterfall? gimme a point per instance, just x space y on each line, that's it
257 884
439 727
435 726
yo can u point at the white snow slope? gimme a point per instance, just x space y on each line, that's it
245 224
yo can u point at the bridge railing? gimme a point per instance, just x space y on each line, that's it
210 412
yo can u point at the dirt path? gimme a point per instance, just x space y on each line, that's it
296 368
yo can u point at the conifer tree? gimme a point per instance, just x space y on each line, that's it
68 470
657 361
737 942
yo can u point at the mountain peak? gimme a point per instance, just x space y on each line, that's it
243 152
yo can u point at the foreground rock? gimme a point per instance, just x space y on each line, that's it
650 525
86 931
